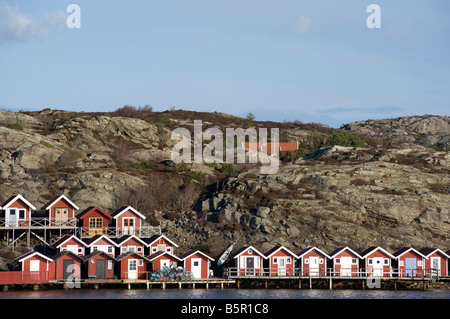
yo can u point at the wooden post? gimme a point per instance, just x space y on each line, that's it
310 282
164 285
363 287
179 285
331 283
238 283
265 283
299 284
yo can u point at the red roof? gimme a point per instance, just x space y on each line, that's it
92 209
284 146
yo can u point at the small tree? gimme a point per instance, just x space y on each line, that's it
250 116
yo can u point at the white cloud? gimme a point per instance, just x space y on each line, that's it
18 27
302 24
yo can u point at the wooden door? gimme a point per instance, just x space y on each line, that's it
100 269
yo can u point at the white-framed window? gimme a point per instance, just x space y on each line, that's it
154 249
275 260
306 260
110 249
419 263
370 261
354 261
401 263
80 250
386 261
139 249
34 265
132 264
141 262
22 213
110 264
338 260
321 261
124 249
168 249
94 248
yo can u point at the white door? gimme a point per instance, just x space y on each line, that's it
346 266
196 267
164 262
132 268
314 266
12 220
377 266
436 265
128 226
281 266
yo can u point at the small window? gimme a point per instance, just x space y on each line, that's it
139 249
321 261
95 248
419 263
168 249
110 264
154 249
22 213
275 260
124 249
370 261
401 263
34 265
288 260
306 260
386 261
338 260
354 261
110 249
141 262
195 263
80 250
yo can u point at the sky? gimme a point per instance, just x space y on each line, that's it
305 60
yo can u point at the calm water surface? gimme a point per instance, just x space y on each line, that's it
225 294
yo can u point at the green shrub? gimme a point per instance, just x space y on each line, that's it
143 165
227 169
345 139
16 126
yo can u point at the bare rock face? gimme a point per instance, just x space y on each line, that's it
425 130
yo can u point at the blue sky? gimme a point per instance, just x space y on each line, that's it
313 61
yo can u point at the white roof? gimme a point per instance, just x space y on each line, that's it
15 199
123 210
62 196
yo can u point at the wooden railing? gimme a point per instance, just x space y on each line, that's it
115 232
233 272
23 277
38 222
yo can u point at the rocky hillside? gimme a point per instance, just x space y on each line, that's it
428 130
383 185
